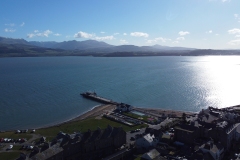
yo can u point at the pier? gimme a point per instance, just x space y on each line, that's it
95 97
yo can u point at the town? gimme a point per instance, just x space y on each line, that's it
211 134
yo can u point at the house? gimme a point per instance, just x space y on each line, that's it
215 150
55 152
186 133
88 145
151 155
146 141
237 137
124 107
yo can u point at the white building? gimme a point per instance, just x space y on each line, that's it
146 141
151 155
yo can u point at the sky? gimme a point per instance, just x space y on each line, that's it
203 24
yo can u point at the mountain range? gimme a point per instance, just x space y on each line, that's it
21 47
89 45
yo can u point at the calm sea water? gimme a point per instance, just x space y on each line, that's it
41 91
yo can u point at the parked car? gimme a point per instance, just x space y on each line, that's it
18 131
132 138
137 130
30 147
10 147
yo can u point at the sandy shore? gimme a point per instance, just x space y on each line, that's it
166 112
99 110
103 109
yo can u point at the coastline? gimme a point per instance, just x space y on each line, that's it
94 111
105 108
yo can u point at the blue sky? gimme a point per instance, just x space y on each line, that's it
202 24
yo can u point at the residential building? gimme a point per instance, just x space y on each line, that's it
124 107
146 141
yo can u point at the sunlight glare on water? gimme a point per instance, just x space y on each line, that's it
223 80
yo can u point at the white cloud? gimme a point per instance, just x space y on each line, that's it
152 41
44 33
57 34
139 34
180 38
68 36
234 42
115 33
183 33
30 35
234 31
217 34
10 24
39 34
124 34
210 31
162 39
237 17
102 32
237 36
22 24
104 38
155 40
9 30
175 42
123 41
83 35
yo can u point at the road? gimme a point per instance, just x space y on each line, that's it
129 135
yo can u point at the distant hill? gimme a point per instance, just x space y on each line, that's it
90 46
171 48
49 44
72 45
10 47
4 40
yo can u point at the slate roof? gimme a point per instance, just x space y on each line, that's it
214 148
152 154
53 150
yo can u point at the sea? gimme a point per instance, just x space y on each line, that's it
41 91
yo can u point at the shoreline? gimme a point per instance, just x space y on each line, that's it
105 108
100 109
82 116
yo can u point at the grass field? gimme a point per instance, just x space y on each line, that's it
9 155
70 127
83 126
13 135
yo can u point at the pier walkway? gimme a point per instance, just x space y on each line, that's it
95 97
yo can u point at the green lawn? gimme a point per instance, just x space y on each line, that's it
138 157
13 135
17 147
9 155
83 126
